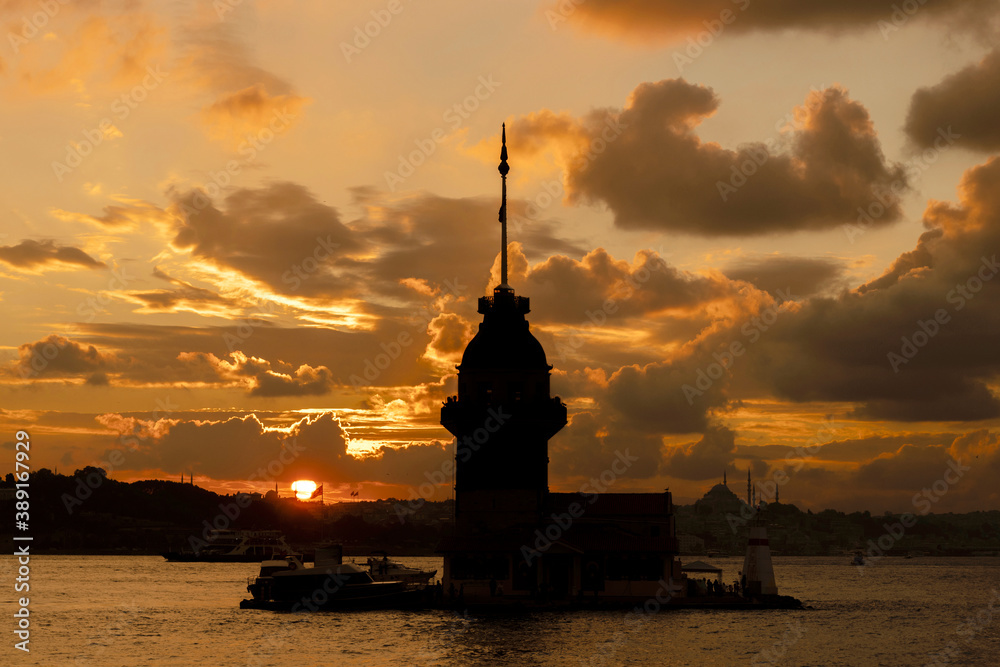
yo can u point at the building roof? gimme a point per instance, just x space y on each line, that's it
701 566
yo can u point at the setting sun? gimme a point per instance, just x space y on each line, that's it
303 488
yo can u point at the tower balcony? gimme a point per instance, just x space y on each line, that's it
504 300
543 418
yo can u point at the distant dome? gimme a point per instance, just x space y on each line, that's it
720 498
721 491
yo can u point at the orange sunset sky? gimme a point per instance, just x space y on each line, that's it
236 232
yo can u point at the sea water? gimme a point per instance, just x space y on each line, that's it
142 610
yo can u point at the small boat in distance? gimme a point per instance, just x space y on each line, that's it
382 569
236 546
859 558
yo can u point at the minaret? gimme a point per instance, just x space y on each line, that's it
503 168
724 478
503 415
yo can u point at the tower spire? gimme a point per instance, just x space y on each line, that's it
503 168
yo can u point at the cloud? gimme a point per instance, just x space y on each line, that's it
126 216
92 49
802 276
704 459
262 378
450 333
57 356
278 235
962 109
186 297
668 19
604 290
234 117
647 164
911 344
910 263
46 255
243 448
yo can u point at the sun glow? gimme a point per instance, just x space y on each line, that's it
303 488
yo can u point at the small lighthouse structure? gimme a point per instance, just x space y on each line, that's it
758 573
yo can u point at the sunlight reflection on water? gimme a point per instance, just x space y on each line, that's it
109 610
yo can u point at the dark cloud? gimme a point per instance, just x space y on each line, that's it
33 255
278 235
57 356
962 109
449 244
322 356
705 459
801 276
251 112
244 448
647 164
602 290
652 398
656 19
914 344
908 263
185 297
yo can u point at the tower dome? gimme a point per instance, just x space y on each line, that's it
504 341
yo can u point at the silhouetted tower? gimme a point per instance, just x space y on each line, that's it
503 415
